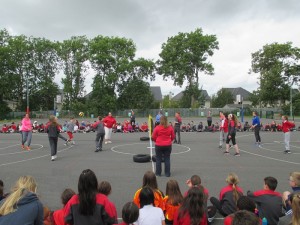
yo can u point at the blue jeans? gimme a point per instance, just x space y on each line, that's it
26 137
163 152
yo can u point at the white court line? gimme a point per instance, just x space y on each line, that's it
23 151
150 150
9 146
280 160
127 153
38 157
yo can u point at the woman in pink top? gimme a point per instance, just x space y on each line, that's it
26 132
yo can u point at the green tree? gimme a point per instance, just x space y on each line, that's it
4 70
189 93
74 57
167 102
279 68
222 98
135 94
254 98
45 66
113 60
185 56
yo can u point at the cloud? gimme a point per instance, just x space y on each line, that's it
242 27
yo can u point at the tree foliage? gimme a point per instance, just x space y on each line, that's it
135 94
279 68
74 56
185 56
222 98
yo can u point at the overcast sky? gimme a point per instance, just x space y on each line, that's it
241 26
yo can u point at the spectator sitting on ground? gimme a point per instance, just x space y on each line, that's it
149 214
125 126
293 215
119 128
130 213
244 203
244 217
13 128
192 210
226 204
136 127
35 127
41 128
88 204
5 129
105 188
22 205
279 127
217 127
200 127
239 127
149 179
267 127
183 127
144 127
294 181
269 202
58 215
273 126
246 126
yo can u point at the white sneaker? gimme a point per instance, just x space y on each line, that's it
73 142
52 158
55 156
106 142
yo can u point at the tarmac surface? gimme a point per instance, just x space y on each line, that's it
198 154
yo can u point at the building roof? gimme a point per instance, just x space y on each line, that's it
239 91
156 91
203 92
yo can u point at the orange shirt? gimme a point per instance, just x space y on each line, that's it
170 209
158 199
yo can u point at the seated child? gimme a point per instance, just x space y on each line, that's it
130 213
268 201
104 187
58 215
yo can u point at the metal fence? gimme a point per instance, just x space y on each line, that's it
270 113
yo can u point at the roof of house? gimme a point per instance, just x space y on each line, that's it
156 91
203 92
239 91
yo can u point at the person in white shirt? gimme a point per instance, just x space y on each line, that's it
149 214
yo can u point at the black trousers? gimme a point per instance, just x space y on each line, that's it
177 131
256 133
53 145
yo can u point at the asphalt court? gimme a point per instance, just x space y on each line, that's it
198 154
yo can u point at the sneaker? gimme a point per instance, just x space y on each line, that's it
73 142
175 142
226 152
237 154
97 150
55 156
52 158
27 148
67 142
23 147
288 151
106 142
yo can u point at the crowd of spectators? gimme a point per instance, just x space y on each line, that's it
91 205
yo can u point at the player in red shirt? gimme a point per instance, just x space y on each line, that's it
286 126
109 122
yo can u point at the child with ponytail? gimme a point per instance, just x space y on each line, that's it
229 195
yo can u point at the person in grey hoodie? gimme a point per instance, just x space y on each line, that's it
99 127
22 206
53 130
